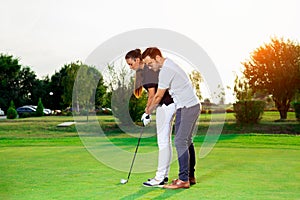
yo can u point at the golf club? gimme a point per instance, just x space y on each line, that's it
124 181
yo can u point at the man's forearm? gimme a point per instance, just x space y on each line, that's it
157 98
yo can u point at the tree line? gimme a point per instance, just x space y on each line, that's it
21 85
272 70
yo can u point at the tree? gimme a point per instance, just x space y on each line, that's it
220 94
196 79
89 83
137 106
107 99
10 68
275 69
88 88
40 108
101 90
68 82
11 111
56 88
124 105
29 89
241 89
43 91
17 83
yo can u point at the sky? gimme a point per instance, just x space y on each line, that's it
46 34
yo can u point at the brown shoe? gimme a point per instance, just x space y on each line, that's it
192 180
177 184
174 181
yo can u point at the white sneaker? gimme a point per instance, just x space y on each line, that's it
166 179
154 183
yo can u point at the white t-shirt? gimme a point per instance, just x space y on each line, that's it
175 79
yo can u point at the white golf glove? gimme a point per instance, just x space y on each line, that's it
146 119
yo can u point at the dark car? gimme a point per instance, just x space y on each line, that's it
25 109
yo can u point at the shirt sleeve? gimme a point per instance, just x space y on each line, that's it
150 85
165 78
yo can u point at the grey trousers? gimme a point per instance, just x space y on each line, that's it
186 119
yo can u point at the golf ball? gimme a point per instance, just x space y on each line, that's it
123 181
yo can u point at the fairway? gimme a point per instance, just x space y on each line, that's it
41 161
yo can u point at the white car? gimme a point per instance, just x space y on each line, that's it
1 112
46 110
25 109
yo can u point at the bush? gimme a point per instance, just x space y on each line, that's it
25 115
68 113
296 106
40 109
248 112
203 112
124 103
11 112
137 107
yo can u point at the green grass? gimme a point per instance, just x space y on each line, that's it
41 161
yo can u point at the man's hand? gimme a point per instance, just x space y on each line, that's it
146 119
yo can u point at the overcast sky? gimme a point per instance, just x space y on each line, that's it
47 34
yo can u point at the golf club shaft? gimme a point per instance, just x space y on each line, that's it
136 149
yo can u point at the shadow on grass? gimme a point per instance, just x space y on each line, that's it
230 131
161 194
263 128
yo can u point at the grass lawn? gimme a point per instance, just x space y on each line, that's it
41 161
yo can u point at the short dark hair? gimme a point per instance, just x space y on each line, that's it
152 52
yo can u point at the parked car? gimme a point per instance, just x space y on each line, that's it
1 112
46 110
107 111
25 109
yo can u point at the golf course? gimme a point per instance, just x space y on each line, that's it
39 160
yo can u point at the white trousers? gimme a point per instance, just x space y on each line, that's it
164 118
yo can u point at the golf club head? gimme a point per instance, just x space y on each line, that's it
124 181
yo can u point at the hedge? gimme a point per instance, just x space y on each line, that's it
248 112
296 106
